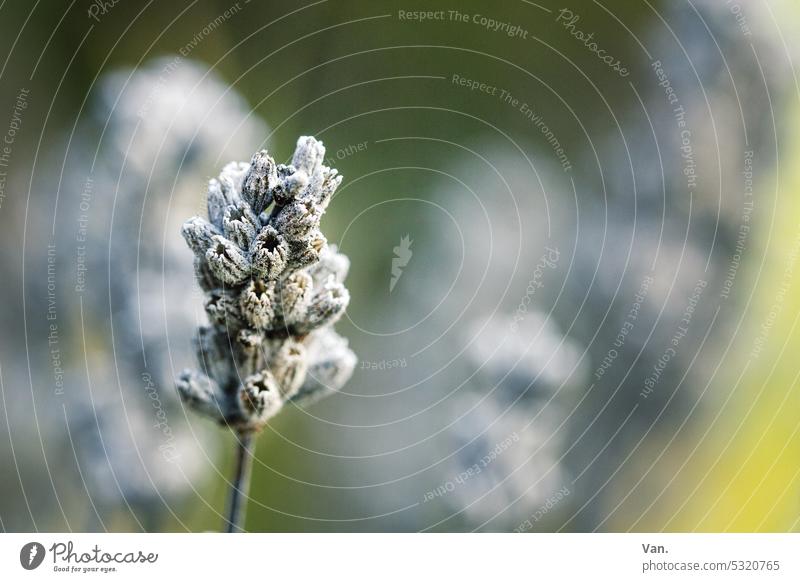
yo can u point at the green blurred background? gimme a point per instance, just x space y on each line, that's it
721 454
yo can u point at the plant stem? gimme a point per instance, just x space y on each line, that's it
241 482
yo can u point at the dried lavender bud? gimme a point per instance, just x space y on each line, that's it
331 363
306 252
216 203
231 179
201 394
331 264
205 278
323 185
213 352
257 303
250 352
293 297
227 262
198 234
240 224
296 220
326 307
281 194
260 398
289 367
273 289
307 164
308 155
259 182
270 252
223 310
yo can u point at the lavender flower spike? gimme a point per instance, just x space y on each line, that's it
273 291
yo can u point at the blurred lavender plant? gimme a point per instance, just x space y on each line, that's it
510 442
128 172
274 289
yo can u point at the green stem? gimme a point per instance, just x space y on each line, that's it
241 482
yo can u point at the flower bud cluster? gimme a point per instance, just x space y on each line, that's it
274 288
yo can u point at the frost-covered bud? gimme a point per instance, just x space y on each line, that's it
330 182
227 261
215 203
201 394
289 367
240 224
259 181
269 254
297 219
250 353
331 263
222 309
257 302
213 353
273 288
221 194
205 278
293 296
306 166
294 184
281 194
230 180
308 155
326 307
259 399
198 234
331 364
307 251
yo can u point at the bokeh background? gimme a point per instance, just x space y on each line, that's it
594 327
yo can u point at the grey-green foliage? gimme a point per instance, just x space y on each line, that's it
274 288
